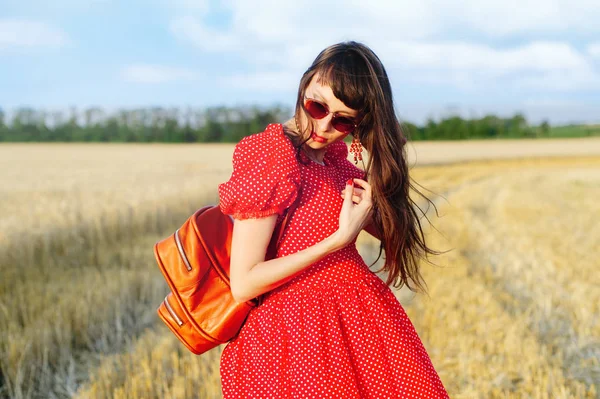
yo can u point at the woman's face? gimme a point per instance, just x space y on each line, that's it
324 133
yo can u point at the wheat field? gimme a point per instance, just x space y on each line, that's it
512 309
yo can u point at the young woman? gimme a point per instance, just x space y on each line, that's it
327 326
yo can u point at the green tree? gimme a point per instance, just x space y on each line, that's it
223 124
430 131
3 127
544 129
411 131
517 126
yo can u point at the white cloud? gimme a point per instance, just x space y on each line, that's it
202 6
466 56
282 27
594 50
543 66
562 81
281 21
142 73
287 36
500 17
507 17
418 41
190 29
263 81
27 34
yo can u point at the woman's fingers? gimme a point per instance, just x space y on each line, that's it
357 191
360 195
356 194
355 198
365 186
354 217
347 190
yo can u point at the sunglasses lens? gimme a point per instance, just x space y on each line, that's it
343 124
319 111
315 109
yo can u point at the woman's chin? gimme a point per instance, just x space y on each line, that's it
315 145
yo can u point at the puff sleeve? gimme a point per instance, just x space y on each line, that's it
265 178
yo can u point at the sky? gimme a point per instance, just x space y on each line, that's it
465 57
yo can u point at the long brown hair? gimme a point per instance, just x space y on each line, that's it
357 77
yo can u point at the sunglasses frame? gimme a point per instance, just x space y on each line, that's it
335 115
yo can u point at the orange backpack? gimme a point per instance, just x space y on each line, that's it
200 309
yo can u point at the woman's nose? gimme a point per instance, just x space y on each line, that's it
325 123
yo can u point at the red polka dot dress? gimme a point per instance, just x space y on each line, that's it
335 330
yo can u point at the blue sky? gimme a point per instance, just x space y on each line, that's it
470 57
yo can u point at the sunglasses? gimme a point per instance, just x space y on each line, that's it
318 110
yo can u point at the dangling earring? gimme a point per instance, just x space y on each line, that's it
356 149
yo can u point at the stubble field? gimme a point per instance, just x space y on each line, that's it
512 309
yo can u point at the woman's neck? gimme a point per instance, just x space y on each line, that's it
317 156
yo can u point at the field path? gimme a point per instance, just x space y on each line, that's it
514 306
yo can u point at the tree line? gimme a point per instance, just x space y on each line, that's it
218 124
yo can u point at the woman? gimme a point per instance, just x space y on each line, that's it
327 327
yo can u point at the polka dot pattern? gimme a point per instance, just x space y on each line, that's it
335 330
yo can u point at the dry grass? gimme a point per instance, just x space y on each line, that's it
78 274
514 307
157 367
444 152
512 312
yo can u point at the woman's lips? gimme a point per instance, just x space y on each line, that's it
318 139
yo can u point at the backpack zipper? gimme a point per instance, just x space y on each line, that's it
181 252
172 312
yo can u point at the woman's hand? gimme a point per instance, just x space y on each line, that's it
357 194
356 212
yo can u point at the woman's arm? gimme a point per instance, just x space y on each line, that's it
250 274
369 227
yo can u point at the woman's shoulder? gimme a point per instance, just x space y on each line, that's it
269 146
265 177
272 136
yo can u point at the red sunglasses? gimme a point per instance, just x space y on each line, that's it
318 110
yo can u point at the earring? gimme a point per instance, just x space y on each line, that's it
356 149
